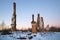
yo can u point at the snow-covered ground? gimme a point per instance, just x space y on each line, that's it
28 36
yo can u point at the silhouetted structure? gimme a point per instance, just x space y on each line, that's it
42 24
39 25
13 25
33 25
38 22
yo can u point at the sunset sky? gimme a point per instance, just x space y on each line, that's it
48 9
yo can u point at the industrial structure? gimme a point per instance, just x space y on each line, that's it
13 25
42 24
39 25
38 22
33 25
36 26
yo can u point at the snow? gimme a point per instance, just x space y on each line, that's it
39 36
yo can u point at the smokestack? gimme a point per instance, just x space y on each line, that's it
33 17
13 25
14 8
38 22
42 24
33 25
42 19
14 5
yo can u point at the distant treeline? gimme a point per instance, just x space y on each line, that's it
51 29
54 29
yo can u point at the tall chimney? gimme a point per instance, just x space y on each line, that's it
33 17
13 25
15 14
38 22
33 25
14 8
42 24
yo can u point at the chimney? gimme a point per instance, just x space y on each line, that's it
13 25
33 25
42 24
38 22
14 8
33 17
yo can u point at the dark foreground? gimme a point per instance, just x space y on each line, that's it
29 36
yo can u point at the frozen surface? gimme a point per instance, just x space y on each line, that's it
26 35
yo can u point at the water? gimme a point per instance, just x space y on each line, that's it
27 36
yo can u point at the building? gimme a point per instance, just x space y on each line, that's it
38 22
13 25
33 25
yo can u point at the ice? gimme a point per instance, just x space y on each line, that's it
29 36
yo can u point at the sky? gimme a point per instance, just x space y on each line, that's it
48 9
